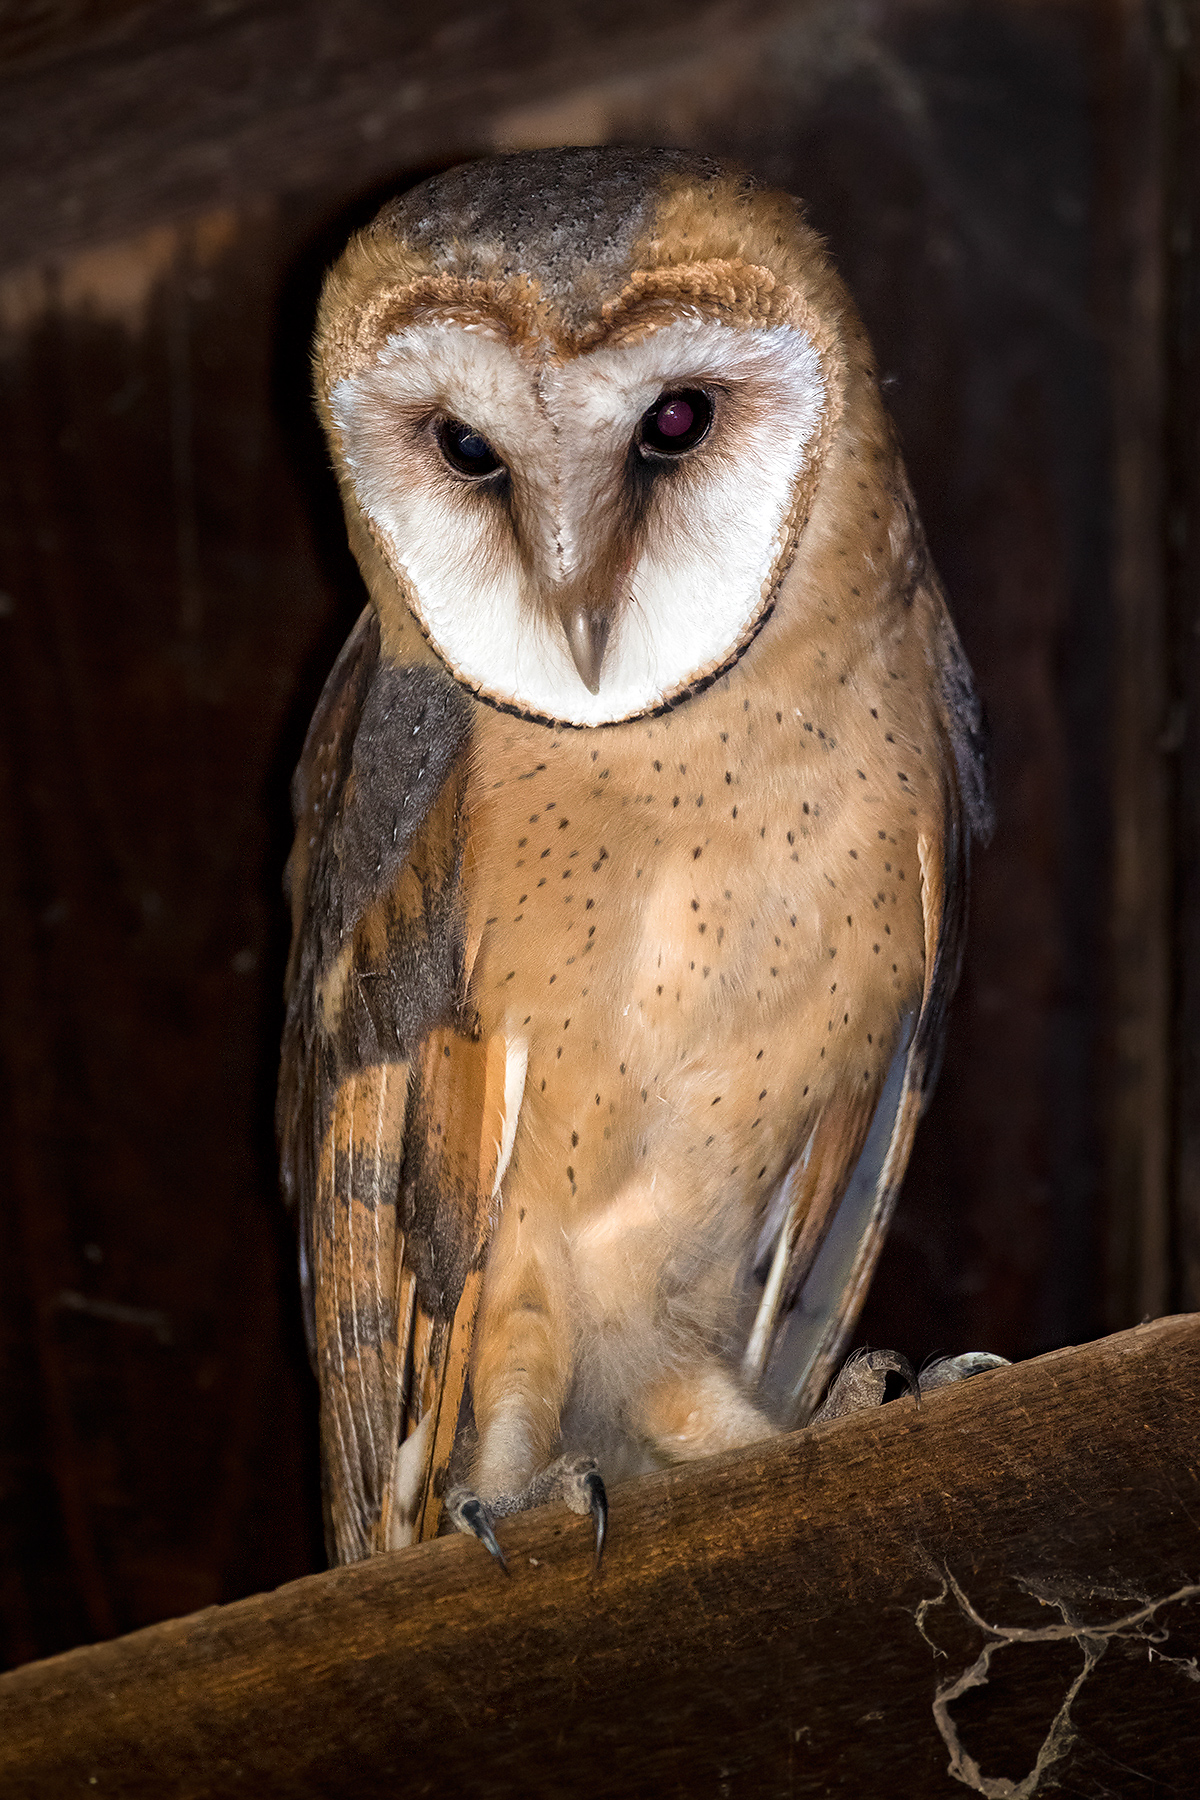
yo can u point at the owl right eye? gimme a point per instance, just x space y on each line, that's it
677 422
466 450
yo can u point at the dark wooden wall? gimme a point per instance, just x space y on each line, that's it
1008 189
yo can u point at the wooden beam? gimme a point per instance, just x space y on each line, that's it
1004 1584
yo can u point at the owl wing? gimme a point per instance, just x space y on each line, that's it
391 1106
839 1197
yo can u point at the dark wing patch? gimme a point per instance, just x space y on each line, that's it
317 788
379 752
390 1233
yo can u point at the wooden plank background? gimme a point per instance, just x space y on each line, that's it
1008 189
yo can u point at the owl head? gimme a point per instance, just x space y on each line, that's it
580 402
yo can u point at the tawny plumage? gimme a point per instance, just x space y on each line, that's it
632 835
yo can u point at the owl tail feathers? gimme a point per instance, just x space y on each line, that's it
813 1190
467 1094
797 1347
354 1232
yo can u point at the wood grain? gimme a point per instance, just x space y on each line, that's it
110 131
1182 575
786 1621
1137 1272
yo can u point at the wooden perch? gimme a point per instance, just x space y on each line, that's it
995 1592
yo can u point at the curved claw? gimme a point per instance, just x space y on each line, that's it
901 1366
861 1383
593 1486
474 1514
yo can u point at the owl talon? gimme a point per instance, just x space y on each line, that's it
477 1521
469 1514
904 1369
593 1484
580 1485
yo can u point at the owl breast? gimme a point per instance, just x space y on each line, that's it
693 922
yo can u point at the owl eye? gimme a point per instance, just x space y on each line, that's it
466 449
675 423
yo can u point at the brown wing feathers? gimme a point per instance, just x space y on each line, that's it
390 1109
317 789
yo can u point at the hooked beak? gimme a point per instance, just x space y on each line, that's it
587 630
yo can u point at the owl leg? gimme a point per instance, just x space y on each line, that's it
522 1372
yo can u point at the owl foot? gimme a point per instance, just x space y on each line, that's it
860 1383
863 1376
947 1369
574 1480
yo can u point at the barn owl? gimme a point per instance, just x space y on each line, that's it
631 844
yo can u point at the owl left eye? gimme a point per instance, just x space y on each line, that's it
675 423
465 449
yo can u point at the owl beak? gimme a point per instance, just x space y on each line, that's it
587 632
